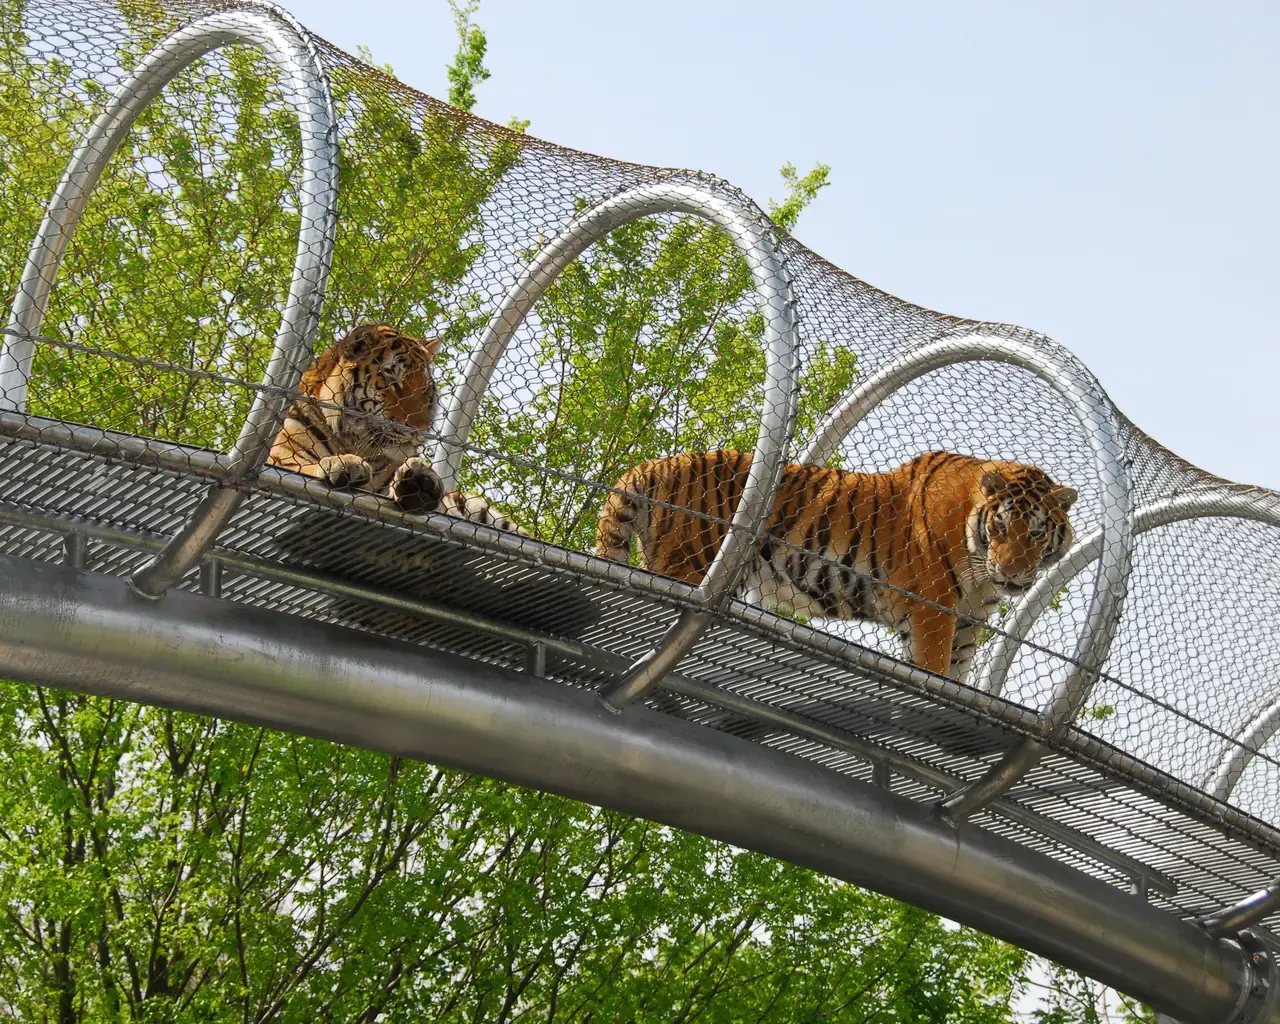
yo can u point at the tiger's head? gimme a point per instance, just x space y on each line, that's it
1019 525
381 375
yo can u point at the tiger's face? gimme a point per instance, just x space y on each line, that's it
377 371
1020 527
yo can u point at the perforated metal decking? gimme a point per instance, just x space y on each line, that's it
1101 791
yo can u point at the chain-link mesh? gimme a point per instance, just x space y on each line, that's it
554 320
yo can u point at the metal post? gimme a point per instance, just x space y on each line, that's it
211 577
75 549
881 774
535 659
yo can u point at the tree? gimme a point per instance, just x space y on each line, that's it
649 344
161 866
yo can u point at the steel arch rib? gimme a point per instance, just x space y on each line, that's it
754 239
1241 749
1210 504
1098 418
306 87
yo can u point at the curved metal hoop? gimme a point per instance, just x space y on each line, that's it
1237 752
306 87
1096 414
749 232
1215 504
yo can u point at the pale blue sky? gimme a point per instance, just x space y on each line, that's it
1100 171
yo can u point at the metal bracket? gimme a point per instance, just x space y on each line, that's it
1258 997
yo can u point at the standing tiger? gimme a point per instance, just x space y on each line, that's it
957 531
354 424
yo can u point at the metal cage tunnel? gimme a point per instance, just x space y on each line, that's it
836 777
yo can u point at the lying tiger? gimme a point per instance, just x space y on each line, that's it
957 531
373 389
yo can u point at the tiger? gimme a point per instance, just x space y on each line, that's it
353 425
957 531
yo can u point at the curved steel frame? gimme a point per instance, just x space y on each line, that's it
306 88
1238 751
1225 504
220 658
750 232
1241 749
1097 416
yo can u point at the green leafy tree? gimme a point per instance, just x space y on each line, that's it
1069 998
649 345
163 867
467 70
186 248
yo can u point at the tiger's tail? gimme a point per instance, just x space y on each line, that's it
624 515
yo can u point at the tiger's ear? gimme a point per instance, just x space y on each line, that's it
357 341
433 345
993 483
1066 496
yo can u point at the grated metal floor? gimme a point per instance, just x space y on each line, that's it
448 585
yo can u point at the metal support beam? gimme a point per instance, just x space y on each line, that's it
88 632
1228 923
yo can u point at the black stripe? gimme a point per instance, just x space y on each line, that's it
955 580
940 459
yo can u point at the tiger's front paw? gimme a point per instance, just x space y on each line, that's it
345 470
416 487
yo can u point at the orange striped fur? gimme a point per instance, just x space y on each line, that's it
957 531
371 391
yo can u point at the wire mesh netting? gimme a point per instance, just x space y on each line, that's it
457 386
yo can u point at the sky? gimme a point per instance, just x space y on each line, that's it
1103 172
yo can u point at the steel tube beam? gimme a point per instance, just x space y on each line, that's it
306 88
1098 417
750 232
1238 752
88 632
1231 921
658 663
